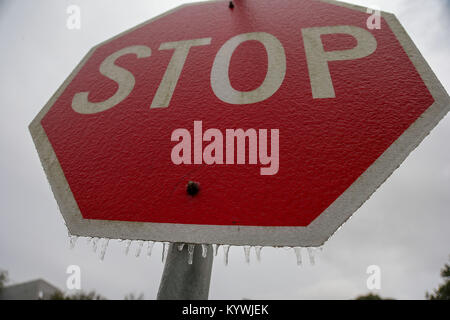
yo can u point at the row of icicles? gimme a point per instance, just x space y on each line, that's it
95 242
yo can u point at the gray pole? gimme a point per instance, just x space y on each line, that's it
183 281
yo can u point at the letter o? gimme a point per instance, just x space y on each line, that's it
276 70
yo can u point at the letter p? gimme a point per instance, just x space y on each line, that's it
317 58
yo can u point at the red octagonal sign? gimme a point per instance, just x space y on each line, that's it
284 116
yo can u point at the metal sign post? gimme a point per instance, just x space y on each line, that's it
183 281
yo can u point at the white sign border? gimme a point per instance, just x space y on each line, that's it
315 234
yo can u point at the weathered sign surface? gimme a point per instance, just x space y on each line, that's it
285 116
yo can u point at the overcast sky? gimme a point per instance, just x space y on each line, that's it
403 228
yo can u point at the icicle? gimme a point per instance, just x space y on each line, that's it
88 240
298 253
258 253
191 248
247 254
103 249
311 253
139 248
94 244
127 246
150 245
215 248
226 249
72 241
164 251
204 250
180 247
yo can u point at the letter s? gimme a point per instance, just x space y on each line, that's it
124 79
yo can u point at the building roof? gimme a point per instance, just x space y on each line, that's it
31 290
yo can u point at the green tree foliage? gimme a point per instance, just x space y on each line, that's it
77 296
132 296
371 296
443 291
3 278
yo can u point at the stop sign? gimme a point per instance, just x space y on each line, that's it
268 123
